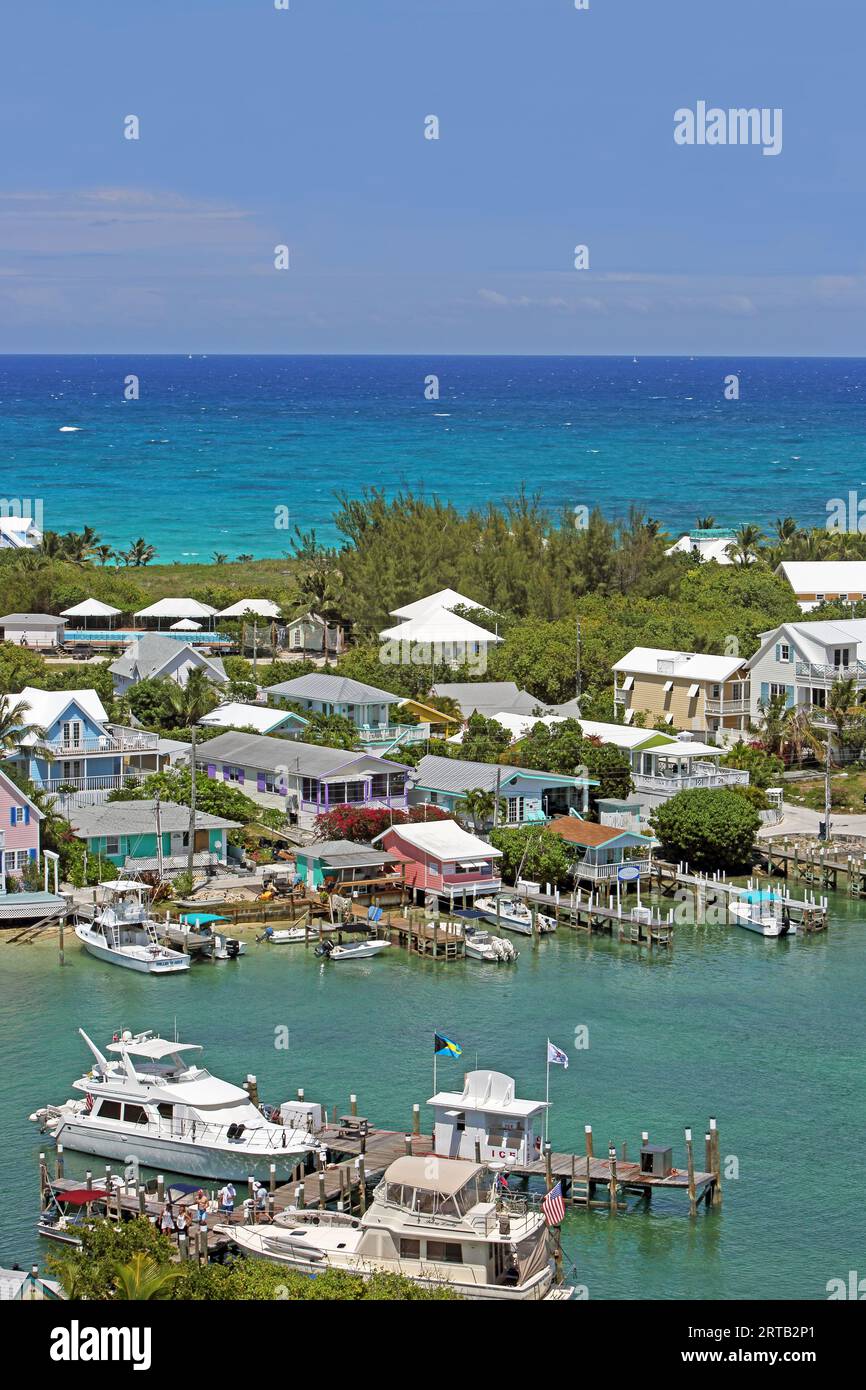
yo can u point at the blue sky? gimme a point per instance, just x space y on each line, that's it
305 127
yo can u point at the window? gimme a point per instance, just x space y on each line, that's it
297 637
445 1252
109 1110
776 690
16 815
134 1114
165 1110
843 598
379 784
309 789
841 656
819 698
235 774
112 844
71 734
784 651
410 1249
434 866
819 598
716 693
21 858
515 810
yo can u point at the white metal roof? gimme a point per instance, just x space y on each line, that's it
812 640
264 607
44 707
823 576
644 661
91 608
177 608
445 839
439 625
262 718
490 1091
446 598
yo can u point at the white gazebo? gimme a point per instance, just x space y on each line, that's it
171 610
257 607
185 625
446 598
438 636
102 613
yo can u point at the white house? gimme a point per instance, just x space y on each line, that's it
152 657
19 533
801 661
283 723
32 629
445 598
486 1119
709 544
819 581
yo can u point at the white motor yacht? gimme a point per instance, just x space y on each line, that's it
514 915
437 1221
123 933
153 1103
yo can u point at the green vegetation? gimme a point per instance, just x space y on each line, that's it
133 1261
535 853
707 829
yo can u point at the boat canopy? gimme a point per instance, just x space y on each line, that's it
155 1049
201 919
450 1174
80 1196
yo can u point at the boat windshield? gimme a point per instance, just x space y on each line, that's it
428 1202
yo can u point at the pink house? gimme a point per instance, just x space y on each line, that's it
443 858
19 830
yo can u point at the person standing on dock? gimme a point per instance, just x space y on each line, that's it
227 1196
166 1220
201 1206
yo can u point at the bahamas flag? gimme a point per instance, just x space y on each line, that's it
443 1046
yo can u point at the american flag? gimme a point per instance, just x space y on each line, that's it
553 1206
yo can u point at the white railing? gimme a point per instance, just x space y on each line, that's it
109 783
382 733
727 706
722 777
604 871
815 670
119 741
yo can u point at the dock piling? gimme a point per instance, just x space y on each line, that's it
690 1163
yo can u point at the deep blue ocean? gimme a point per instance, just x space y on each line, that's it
217 451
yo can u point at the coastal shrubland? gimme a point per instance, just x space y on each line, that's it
707 829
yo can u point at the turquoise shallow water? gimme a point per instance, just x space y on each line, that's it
768 1036
214 446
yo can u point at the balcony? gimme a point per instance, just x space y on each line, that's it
601 872
118 741
109 783
727 706
816 671
702 775
394 733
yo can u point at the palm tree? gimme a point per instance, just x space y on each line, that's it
799 735
771 726
704 523
192 701
143 1280
219 558
139 553
52 545
104 553
14 723
841 705
479 806
746 545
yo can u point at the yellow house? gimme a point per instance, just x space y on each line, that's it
694 691
441 725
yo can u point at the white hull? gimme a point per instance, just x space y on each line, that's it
179 1155
521 924
763 925
363 951
132 957
252 1243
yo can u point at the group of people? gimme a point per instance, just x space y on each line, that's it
196 1213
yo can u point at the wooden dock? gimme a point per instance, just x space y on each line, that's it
715 891
591 911
839 865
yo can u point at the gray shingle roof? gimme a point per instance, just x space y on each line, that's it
347 854
334 690
49 618
153 653
489 697
139 818
461 776
267 754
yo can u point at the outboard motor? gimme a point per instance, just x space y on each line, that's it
233 948
323 949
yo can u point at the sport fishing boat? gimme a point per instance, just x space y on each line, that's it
763 912
514 915
484 945
440 1222
153 1101
123 933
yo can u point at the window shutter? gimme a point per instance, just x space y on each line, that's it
11 815
789 693
26 815
765 692
778 650
240 776
225 774
211 770
260 782
33 854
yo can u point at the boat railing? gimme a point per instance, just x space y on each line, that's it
201 1131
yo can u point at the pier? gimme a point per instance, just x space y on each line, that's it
838 866
715 890
589 911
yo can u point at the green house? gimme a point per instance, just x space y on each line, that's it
131 834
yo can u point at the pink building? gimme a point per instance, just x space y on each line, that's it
19 829
443 858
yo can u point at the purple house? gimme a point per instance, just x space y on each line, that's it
19 830
304 779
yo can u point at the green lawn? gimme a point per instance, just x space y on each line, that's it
847 790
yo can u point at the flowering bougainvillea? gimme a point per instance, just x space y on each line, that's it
362 824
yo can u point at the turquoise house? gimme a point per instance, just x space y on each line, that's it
138 837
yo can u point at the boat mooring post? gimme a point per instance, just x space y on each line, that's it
202 1242
272 1178
611 1156
141 1199
690 1163
58 1166
251 1194
587 1129
416 1118
43 1178
88 1179
716 1165
353 1105
62 925
160 1188
299 1196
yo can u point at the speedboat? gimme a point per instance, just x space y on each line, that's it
356 950
514 915
483 945
123 933
764 913
441 1222
154 1103
283 936
196 932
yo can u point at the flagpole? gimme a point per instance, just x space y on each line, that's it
547 1092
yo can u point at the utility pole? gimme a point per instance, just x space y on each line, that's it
192 791
827 789
159 861
577 652
496 798
255 648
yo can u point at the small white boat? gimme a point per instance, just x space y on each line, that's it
195 932
764 913
122 932
484 945
514 915
358 950
283 936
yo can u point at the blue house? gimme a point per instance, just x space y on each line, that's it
79 749
530 797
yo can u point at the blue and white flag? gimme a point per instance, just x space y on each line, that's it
556 1054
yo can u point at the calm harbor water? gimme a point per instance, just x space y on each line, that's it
768 1036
